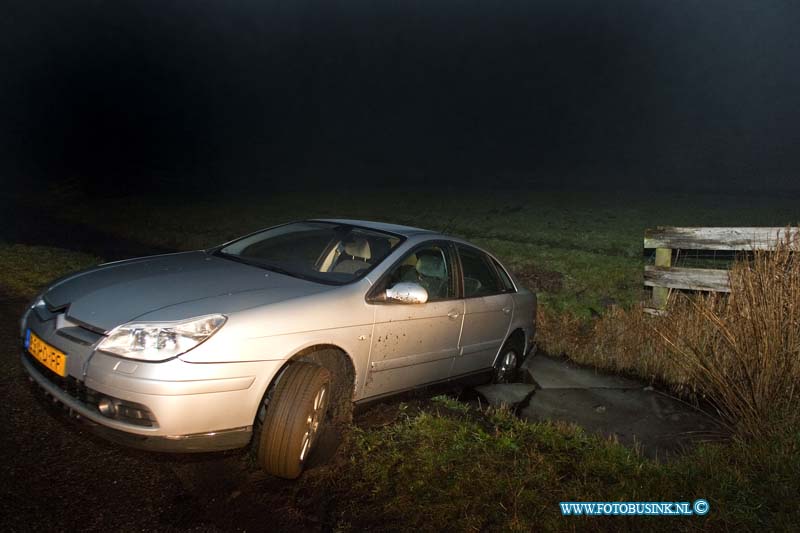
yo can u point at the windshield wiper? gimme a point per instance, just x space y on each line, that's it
279 270
239 259
261 264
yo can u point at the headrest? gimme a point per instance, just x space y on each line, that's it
357 248
431 265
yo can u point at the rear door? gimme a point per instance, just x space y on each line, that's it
489 306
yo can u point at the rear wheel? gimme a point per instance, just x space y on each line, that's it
293 419
507 365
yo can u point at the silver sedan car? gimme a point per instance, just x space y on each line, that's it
267 337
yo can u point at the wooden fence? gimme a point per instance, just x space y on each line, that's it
663 276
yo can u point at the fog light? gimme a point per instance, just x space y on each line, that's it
107 408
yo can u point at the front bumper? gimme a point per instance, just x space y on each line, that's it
168 406
69 395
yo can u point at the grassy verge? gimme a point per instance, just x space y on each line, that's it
447 467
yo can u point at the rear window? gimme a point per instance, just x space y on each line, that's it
480 276
506 282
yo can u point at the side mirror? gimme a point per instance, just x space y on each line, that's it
407 293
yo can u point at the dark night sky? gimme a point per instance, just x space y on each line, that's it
705 94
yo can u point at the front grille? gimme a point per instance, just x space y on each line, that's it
88 327
124 411
79 335
81 332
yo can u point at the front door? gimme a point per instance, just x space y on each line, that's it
414 344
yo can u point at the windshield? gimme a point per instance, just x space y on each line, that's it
318 251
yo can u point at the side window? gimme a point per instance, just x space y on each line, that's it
480 278
507 284
431 267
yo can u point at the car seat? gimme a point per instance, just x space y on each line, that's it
432 274
355 257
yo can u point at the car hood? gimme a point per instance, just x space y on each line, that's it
109 295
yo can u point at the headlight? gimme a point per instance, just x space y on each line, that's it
157 341
23 322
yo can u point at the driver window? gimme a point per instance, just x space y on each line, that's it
430 267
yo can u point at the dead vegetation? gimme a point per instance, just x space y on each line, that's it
740 352
743 350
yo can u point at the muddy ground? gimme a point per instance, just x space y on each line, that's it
56 475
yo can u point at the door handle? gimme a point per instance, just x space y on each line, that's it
452 315
506 310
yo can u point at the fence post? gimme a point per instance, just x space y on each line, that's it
661 294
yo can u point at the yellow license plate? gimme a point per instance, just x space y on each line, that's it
52 358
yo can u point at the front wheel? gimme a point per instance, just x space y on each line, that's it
293 419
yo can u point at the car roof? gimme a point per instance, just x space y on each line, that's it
406 231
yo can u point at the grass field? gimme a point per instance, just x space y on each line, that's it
26 269
580 251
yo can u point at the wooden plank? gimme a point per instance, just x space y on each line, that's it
715 238
661 294
694 279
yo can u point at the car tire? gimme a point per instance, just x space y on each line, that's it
506 367
294 415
